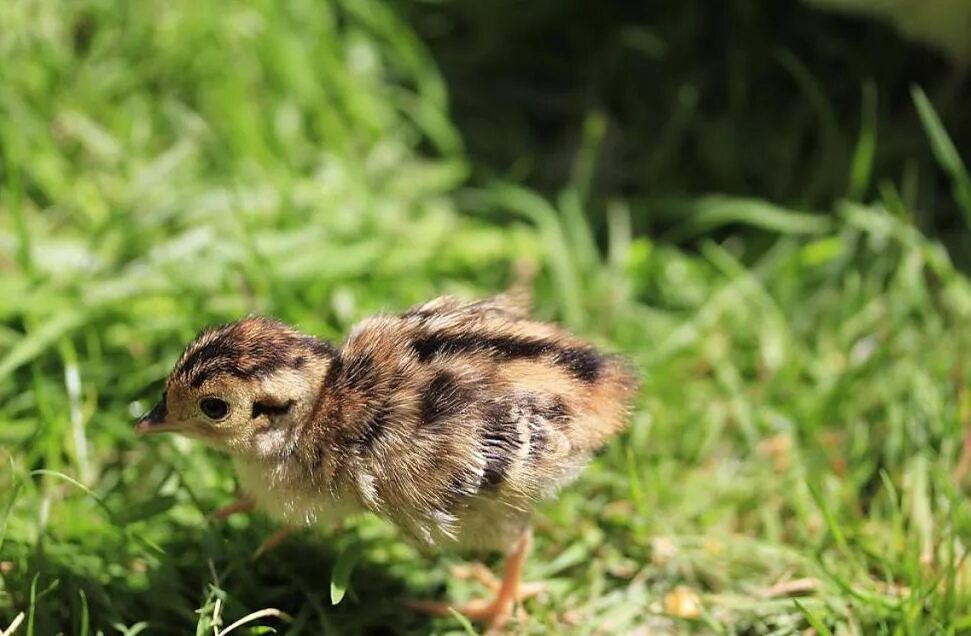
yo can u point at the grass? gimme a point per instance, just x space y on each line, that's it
794 462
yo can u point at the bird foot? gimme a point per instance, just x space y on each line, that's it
479 572
495 613
484 610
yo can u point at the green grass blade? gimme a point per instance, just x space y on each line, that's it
463 621
814 621
85 626
585 163
710 213
14 493
74 482
39 340
861 166
340 579
944 151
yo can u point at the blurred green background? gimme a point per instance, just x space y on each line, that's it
763 204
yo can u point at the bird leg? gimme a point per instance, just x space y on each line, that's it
243 503
273 541
495 612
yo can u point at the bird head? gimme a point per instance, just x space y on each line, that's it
244 388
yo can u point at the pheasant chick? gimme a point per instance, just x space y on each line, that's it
450 420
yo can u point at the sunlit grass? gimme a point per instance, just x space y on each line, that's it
792 461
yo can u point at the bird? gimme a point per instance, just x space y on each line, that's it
451 420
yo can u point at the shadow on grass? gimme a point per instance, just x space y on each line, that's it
119 588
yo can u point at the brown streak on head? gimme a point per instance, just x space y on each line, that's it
254 347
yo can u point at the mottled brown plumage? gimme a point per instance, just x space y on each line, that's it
450 419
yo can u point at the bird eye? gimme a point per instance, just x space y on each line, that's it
214 408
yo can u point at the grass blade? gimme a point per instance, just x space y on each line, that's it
255 616
944 151
861 166
85 616
12 628
341 577
710 213
463 621
39 340
814 621
71 480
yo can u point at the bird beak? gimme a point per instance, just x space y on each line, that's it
154 421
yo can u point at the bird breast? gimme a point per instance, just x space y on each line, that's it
282 490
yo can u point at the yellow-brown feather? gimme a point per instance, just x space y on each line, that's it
450 419
429 476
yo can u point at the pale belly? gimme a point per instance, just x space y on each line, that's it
484 524
490 525
285 497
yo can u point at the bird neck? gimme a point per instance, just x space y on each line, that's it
293 395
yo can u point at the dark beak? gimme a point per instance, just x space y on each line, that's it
154 420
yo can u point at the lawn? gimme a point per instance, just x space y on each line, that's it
795 462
